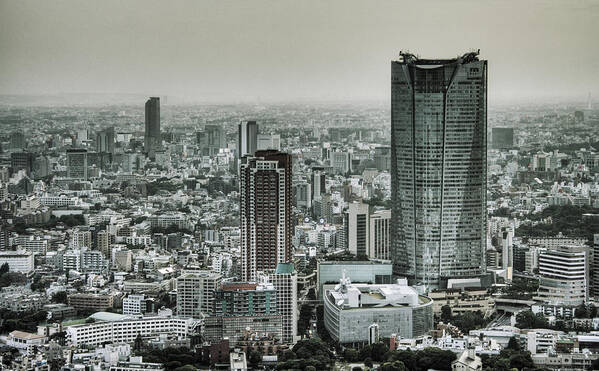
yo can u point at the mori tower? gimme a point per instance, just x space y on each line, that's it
438 167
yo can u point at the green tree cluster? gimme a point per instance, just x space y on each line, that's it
307 353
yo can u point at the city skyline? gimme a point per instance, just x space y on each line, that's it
333 51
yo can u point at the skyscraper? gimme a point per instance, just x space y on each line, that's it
105 140
152 137
265 208
247 142
77 163
438 167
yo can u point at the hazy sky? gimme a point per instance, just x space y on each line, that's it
283 50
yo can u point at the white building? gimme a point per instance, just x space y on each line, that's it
563 276
134 304
195 293
18 261
125 330
380 235
285 281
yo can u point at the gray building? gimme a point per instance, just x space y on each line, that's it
351 309
438 167
152 136
247 142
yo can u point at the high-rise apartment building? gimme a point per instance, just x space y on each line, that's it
265 208
247 141
380 235
77 163
152 137
438 167
195 293
284 279
17 140
356 225
318 183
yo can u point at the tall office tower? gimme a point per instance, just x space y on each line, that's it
438 167
211 140
77 163
195 293
318 183
265 208
247 141
356 222
380 235
105 140
152 137
17 140
563 276
22 161
284 278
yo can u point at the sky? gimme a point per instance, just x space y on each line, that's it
279 50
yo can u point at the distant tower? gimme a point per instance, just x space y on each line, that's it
438 167
265 212
105 140
247 143
77 163
589 102
152 138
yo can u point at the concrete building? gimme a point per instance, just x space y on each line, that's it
211 140
195 293
77 163
105 140
247 142
284 279
115 328
439 167
467 361
134 304
22 161
356 225
97 302
350 309
380 235
265 208
563 276
18 261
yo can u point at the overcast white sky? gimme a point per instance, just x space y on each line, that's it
284 50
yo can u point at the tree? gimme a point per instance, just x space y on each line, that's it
4 269
394 366
310 368
254 357
60 297
527 319
514 344
446 313
351 355
357 368
581 311
368 363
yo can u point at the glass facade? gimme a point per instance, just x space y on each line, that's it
438 167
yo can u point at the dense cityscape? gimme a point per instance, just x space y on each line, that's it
268 202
